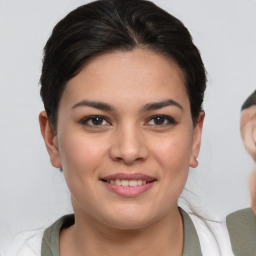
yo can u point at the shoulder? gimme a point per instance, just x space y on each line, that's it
50 241
213 236
243 219
27 243
242 231
32 243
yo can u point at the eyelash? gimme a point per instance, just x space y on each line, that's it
86 120
167 120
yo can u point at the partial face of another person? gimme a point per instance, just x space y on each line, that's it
125 138
248 129
248 133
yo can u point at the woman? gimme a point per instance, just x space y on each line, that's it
123 85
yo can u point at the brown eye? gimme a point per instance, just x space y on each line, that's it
95 121
161 120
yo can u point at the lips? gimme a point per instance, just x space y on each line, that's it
128 184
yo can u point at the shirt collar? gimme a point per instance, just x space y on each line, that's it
191 245
50 243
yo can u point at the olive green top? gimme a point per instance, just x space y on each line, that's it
242 231
50 242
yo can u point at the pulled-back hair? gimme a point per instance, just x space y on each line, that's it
250 101
107 25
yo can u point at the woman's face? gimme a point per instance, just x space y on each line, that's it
125 138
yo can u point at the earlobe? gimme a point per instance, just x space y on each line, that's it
50 139
193 162
197 133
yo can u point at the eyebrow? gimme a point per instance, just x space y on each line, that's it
161 104
147 107
94 104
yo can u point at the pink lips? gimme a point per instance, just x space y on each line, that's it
128 191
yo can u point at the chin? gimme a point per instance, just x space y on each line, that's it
129 224
130 219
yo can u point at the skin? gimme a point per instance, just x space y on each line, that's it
248 133
129 140
252 184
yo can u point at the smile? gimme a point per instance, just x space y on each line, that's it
125 183
128 185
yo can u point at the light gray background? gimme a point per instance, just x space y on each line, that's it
33 194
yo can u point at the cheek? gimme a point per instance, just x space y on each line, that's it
171 156
79 153
173 152
81 157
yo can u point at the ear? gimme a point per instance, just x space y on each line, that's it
248 130
50 139
197 133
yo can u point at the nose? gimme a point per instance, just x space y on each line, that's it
128 145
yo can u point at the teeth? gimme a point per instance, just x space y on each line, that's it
118 182
133 183
125 183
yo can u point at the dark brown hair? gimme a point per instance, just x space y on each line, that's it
106 25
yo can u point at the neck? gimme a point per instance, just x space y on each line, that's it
89 237
252 184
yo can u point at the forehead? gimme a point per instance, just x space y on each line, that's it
124 76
